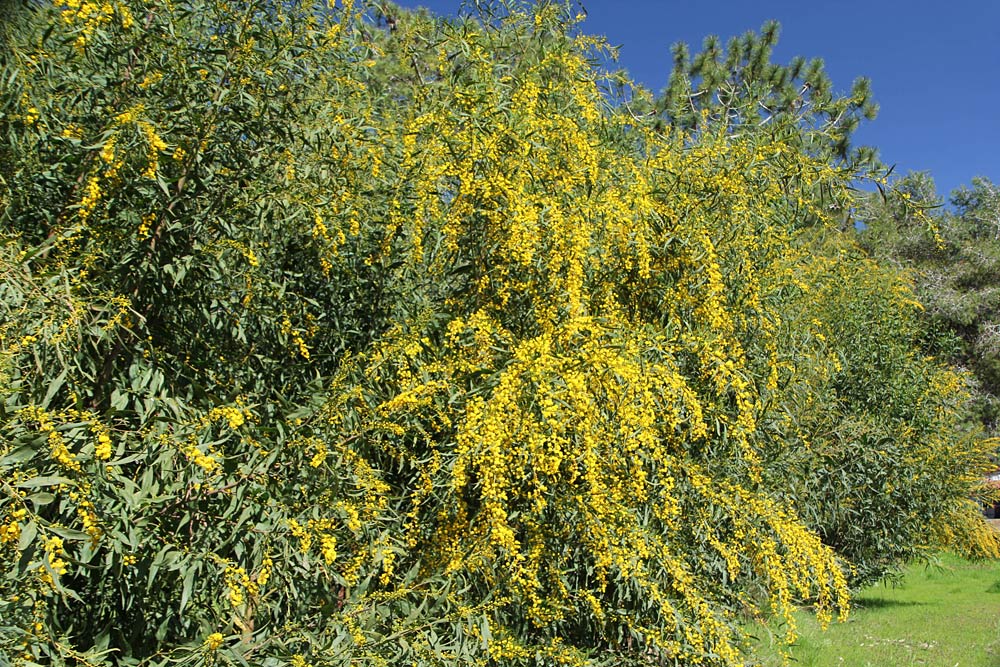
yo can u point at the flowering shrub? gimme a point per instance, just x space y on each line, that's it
324 344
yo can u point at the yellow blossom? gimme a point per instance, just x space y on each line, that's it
103 449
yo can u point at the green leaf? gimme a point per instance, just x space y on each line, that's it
484 630
54 386
186 586
19 455
41 498
36 482
69 533
28 534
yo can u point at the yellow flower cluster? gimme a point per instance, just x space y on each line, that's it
88 16
264 574
131 114
90 199
89 520
328 547
121 315
235 417
207 462
155 146
239 585
54 564
57 444
319 457
10 530
330 241
146 225
297 337
299 531
214 641
107 153
151 79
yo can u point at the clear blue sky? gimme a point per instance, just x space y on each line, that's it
935 66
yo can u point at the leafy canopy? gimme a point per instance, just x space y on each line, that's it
333 342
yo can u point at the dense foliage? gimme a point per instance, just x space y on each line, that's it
954 256
332 341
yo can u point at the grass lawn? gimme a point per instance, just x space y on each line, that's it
947 616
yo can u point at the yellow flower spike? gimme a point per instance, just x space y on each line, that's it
102 451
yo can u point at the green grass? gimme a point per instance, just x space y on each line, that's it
945 616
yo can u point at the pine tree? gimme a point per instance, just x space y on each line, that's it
740 86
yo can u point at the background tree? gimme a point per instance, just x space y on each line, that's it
868 405
740 85
954 256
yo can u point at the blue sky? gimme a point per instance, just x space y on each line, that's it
935 66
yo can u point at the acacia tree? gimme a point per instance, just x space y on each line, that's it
331 343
